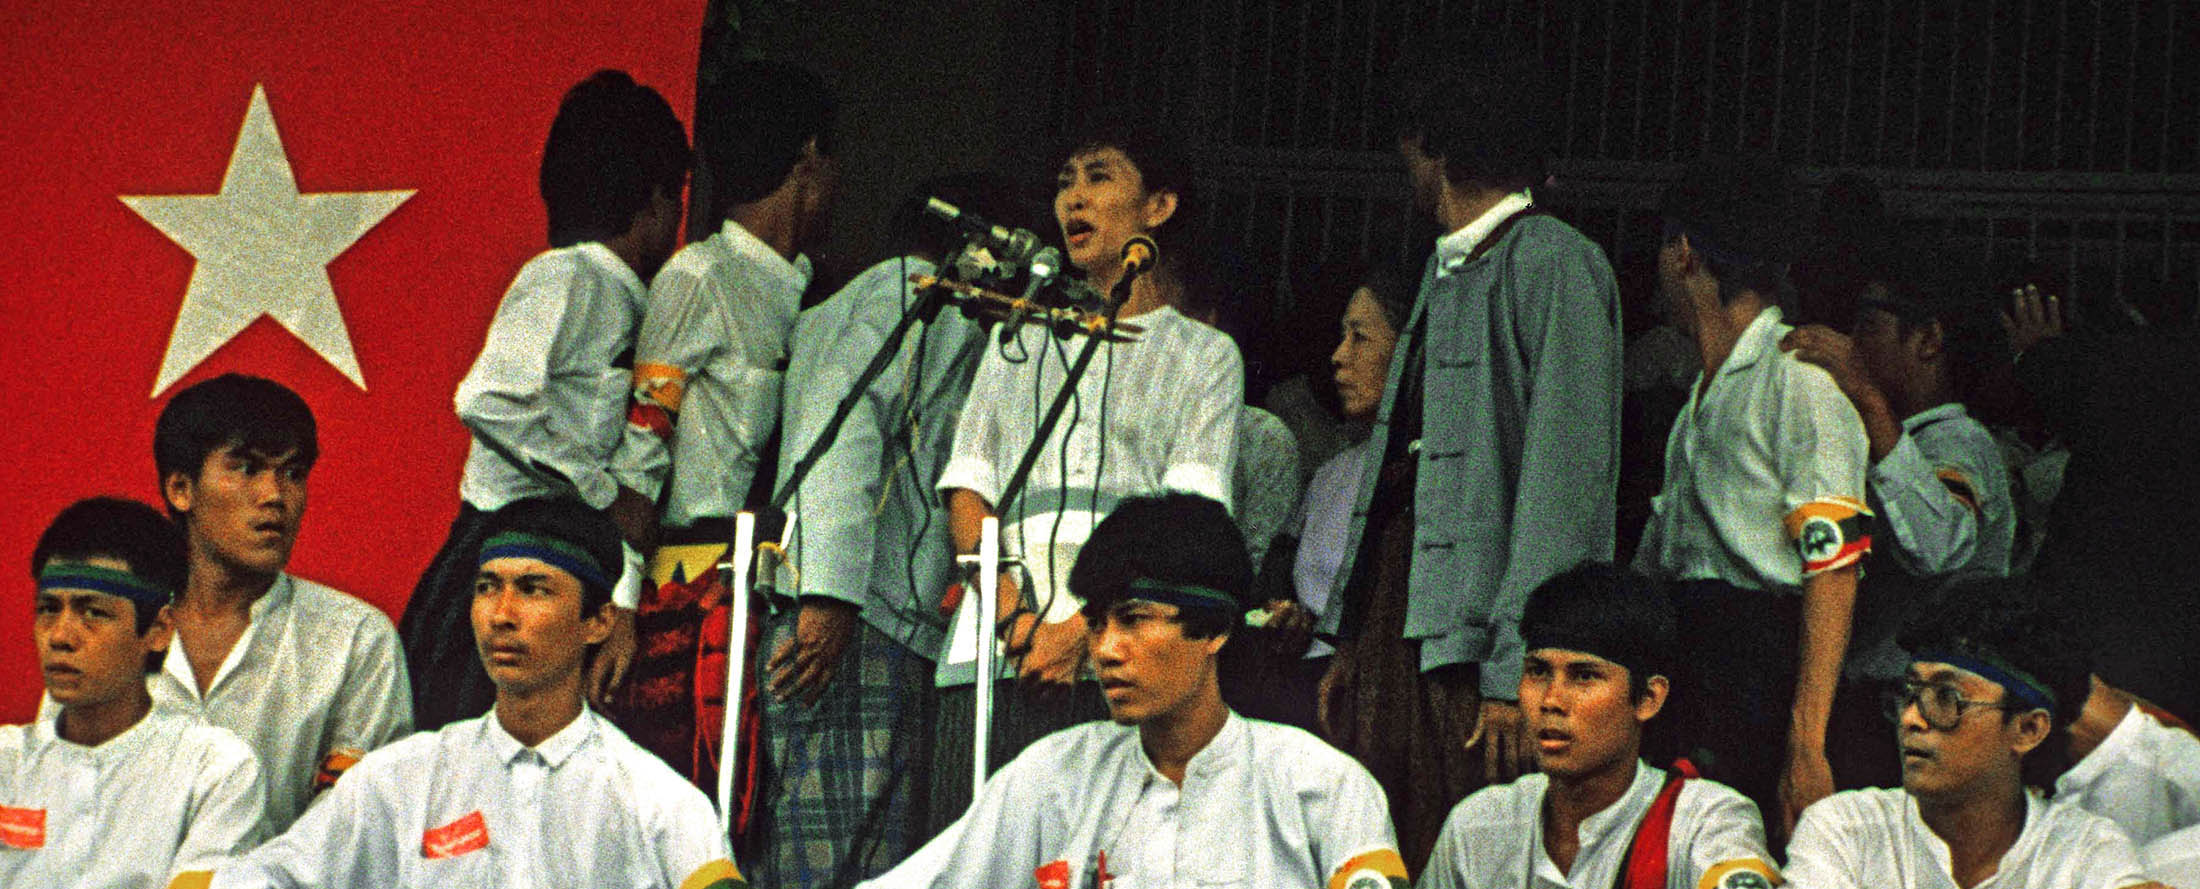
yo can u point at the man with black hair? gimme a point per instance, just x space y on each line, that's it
546 400
711 351
1499 429
1980 719
1175 789
848 724
1762 521
1601 647
105 791
1147 417
1938 481
309 677
540 791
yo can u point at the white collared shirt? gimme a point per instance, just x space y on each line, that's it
1875 839
1261 805
163 797
1494 838
1453 249
469 805
710 353
1170 423
546 399
1325 516
1771 439
2145 776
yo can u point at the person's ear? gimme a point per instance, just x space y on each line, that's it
1214 643
178 488
598 626
1160 206
2031 728
161 631
1654 692
1929 340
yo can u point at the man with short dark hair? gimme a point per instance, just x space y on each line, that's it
106 791
546 400
1980 719
541 791
309 677
1600 650
1175 789
1762 521
1499 430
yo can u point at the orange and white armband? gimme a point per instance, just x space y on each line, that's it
658 389
1830 533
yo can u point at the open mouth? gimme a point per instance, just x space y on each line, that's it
1077 232
1552 739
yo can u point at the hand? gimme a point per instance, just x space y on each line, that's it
608 670
1326 708
1057 650
1500 729
636 517
1290 627
803 666
2032 318
1828 348
1807 779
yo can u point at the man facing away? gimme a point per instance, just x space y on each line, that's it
540 791
1175 789
1600 645
105 791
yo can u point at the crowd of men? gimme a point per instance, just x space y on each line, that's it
1225 659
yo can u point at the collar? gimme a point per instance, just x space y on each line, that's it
1453 250
2108 754
614 268
1927 417
1212 759
258 616
1922 833
794 275
554 750
46 733
1623 812
1759 339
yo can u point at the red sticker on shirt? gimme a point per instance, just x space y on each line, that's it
23 828
1053 875
456 838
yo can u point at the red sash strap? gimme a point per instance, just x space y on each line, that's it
1646 865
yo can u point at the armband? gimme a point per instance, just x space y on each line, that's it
1830 533
1373 869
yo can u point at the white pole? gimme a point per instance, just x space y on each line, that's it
737 659
989 608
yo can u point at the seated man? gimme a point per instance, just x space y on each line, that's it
1178 790
1600 646
1980 719
106 791
538 792
2135 765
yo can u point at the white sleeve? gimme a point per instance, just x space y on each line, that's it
973 464
2175 858
375 704
682 328
1823 458
690 850
503 399
1204 452
838 525
2105 858
1725 836
1348 819
996 841
1822 854
1933 525
228 811
344 839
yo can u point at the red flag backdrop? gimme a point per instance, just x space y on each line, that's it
448 100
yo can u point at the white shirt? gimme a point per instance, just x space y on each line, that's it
1494 838
1265 485
163 797
316 672
1935 531
2174 859
586 807
2145 776
1771 440
546 399
711 351
1875 839
1262 805
1169 424
1326 512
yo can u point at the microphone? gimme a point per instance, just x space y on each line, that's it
1139 255
1013 244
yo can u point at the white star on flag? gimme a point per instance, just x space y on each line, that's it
262 249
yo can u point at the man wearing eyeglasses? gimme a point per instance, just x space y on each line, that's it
1979 720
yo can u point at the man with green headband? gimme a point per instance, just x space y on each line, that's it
1175 790
1979 719
540 791
106 791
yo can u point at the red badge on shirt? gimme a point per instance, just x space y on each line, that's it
23 828
456 838
1053 875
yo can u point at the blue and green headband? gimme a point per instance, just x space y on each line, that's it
1185 596
2023 689
59 575
548 550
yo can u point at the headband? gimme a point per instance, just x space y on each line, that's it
2020 685
1622 648
59 575
547 550
1186 596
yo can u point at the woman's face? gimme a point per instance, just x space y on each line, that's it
1101 202
1362 360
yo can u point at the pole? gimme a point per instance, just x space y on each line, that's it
737 658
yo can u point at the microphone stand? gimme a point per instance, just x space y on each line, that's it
1015 486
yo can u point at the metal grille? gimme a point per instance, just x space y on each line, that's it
2066 133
